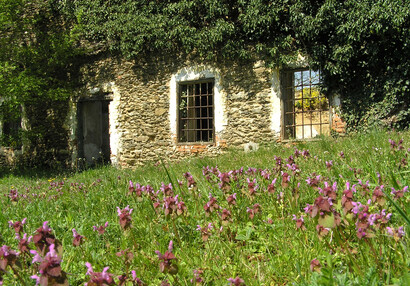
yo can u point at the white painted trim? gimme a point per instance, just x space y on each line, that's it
275 103
114 115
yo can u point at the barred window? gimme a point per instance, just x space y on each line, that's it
196 111
305 109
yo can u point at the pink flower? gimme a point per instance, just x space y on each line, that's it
18 225
236 281
101 228
315 265
77 239
125 217
99 278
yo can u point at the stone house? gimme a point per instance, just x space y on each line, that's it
128 113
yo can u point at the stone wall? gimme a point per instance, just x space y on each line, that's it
142 121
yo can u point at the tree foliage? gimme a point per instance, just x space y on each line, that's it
36 61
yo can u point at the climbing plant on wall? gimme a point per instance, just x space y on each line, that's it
361 46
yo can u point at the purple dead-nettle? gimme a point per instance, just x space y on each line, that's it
357 207
210 173
167 260
396 233
266 174
127 254
285 179
197 276
77 238
379 178
225 181
136 189
347 200
190 180
205 231
43 238
315 265
8 257
300 222
49 268
251 171
271 187
99 278
290 160
294 168
378 196
226 216
24 242
395 145
363 227
167 189
136 281
305 154
236 281
18 225
380 219
329 164
399 193
231 199
100 229
170 205
322 231
256 209
125 217
321 206
252 186
314 180
329 191
297 152
211 205
181 207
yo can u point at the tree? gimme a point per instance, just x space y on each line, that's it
36 64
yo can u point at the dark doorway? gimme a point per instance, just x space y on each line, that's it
93 131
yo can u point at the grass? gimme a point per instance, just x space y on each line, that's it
261 245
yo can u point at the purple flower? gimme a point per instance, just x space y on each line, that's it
315 265
23 242
236 281
135 279
167 260
300 222
197 276
101 228
125 217
77 239
99 278
18 225
49 267
329 164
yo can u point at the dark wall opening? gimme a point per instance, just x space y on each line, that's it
93 131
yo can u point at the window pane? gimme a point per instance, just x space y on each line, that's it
306 109
196 108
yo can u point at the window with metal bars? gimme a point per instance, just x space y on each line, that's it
196 111
305 109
